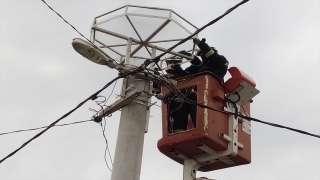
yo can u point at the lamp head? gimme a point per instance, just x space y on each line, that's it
92 53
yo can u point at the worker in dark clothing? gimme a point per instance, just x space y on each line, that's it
179 112
211 62
178 109
176 70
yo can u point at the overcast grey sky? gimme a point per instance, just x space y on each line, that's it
41 78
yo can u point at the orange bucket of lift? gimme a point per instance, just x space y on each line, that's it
210 125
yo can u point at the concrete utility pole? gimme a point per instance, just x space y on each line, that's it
129 147
132 127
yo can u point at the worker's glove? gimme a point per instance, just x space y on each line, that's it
185 53
196 61
171 71
163 97
160 96
204 47
177 67
196 41
178 100
156 71
199 53
155 88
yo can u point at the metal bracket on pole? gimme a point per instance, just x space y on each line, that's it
128 98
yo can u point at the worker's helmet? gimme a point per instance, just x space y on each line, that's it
173 61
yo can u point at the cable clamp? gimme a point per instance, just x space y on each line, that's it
93 97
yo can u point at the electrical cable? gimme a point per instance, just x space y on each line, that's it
248 118
121 75
139 69
111 91
92 97
254 119
32 129
73 27
99 104
144 102
166 79
245 117
157 58
102 103
165 82
66 21
103 128
103 132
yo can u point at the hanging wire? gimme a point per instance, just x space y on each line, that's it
103 131
103 128
32 129
102 104
92 97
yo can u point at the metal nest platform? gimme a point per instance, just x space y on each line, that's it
131 34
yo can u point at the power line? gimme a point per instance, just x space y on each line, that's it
72 26
242 116
254 119
156 59
121 75
92 97
66 21
236 114
32 129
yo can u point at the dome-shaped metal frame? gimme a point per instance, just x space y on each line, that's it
135 33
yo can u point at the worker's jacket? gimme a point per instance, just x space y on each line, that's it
214 63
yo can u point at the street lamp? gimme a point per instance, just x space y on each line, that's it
92 53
